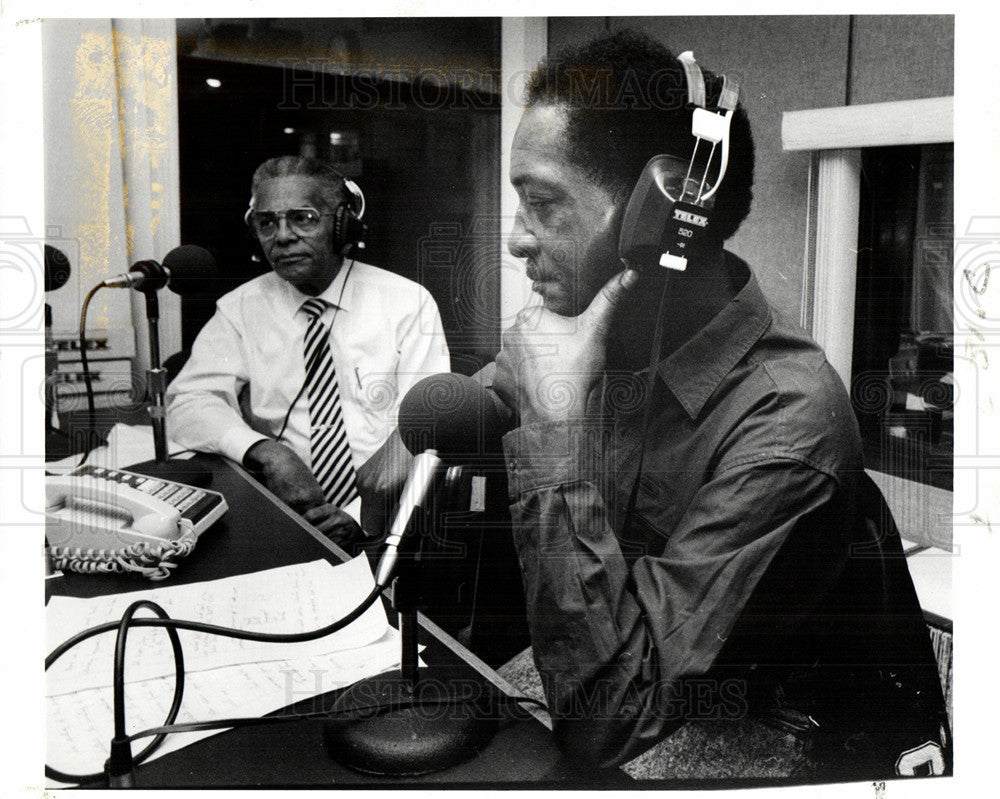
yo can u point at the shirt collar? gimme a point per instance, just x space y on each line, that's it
336 295
696 368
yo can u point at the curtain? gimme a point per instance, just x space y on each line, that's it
111 170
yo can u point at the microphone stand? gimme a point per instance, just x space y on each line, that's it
156 378
420 719
156 382
409 659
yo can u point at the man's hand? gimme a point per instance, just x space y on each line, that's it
293 482
380 481
337 525
285 475
550 364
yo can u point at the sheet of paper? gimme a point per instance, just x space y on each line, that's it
287 599
126 444
80 725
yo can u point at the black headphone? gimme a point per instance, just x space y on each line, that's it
347 225
659 227
348 228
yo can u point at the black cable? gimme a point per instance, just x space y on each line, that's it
122 762
311 367
242 722
119 673
288 413
172 625
213 629
85 366
654 358
89 386
121 743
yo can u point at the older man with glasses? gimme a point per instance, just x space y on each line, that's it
300 372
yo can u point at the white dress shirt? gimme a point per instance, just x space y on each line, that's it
386 335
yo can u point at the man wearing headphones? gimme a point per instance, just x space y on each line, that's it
299 373
686 476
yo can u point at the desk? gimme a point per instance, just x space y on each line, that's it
260 532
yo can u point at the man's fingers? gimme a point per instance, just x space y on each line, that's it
329 518
331 524
607 299
314 514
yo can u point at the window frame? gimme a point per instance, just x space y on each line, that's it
835 137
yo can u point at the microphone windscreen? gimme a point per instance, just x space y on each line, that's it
190 266
57 268
454 415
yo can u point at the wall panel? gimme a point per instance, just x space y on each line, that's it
902 58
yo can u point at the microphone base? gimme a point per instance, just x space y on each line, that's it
393 727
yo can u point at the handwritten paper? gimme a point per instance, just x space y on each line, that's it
80 725
225 677
289 599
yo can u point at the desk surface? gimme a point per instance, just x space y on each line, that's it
258 533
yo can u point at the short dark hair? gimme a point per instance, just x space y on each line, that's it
284 166
626 100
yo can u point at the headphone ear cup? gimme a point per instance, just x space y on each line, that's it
347 227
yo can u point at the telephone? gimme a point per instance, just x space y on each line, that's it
101 520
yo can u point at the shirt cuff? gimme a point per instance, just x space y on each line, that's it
235 443
556 453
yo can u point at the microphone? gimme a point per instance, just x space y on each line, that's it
58 443
455 415
180 271
442 418
417 492
57 268
445 418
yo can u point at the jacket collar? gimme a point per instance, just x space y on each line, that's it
695 369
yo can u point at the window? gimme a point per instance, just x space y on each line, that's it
902 372
848 143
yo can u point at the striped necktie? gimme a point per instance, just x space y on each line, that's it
331 453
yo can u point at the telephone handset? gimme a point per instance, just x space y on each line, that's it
95 513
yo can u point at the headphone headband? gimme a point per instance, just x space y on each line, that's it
710 126
694 77
357 197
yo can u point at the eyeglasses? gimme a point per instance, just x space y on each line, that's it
303 221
